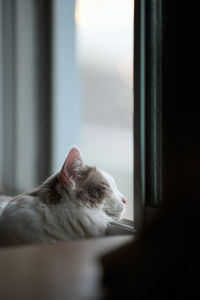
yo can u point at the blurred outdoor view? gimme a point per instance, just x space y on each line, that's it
89 103
104 54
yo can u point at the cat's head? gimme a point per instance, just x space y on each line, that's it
90 186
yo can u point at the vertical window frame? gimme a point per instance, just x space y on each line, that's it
148 181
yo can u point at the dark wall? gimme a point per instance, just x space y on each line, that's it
180 95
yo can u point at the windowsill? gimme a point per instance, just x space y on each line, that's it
123 227
63 271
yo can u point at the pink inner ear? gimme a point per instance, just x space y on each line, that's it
71 166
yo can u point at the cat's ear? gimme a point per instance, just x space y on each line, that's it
71 166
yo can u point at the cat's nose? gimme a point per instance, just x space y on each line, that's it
124 200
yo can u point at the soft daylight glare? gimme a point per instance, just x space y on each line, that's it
104 48
103 14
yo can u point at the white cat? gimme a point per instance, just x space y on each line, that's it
77 202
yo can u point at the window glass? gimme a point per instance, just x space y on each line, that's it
104 52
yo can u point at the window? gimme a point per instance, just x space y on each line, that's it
66 80
39 81
104 48
93 86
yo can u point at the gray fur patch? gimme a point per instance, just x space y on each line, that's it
92 188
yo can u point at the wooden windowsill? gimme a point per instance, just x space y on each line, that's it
63 271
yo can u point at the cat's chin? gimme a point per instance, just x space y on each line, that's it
115 217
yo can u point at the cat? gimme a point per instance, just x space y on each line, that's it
77 202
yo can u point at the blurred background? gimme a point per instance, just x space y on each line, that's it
101 88
66 79
104 47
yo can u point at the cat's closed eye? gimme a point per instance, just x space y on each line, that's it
98 191
93 194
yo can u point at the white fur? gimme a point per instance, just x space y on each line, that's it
31 221
3 202
114 206
61 223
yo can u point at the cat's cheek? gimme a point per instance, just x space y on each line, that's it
123 212
121 215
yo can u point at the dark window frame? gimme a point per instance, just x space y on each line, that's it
166 129
148 82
